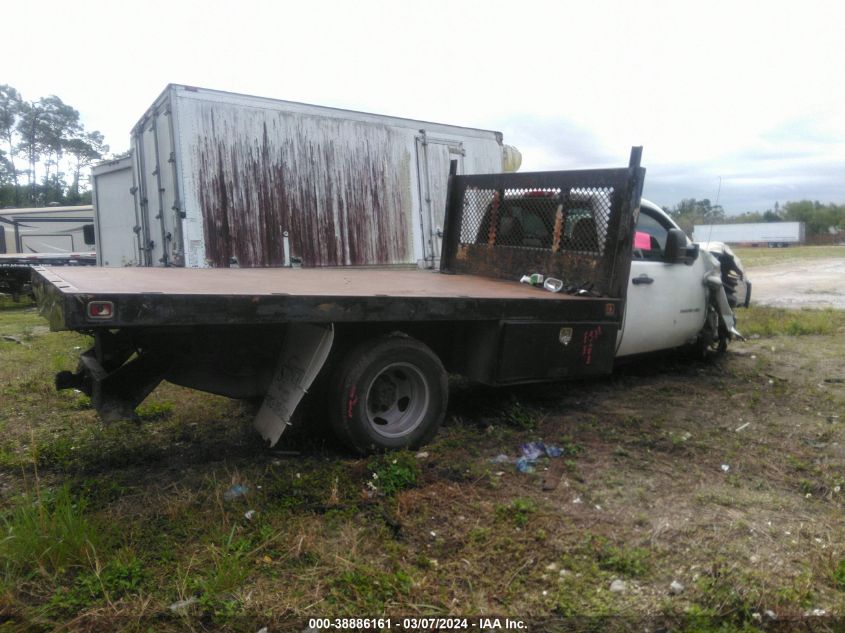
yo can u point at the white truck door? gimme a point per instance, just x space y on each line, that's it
666 303
433 158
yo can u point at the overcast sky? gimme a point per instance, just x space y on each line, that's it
744 100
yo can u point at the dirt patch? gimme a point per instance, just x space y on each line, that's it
800 284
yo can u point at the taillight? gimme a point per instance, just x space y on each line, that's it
100 309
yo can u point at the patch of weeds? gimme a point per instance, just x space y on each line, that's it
222 575
767 321
577 598
367 589
73 400
48 532
393 472
154 410
838 575
322 486
797 464
633 562
569 446
116 445
479 535
519 416
121 576
736 594
98 492
518 512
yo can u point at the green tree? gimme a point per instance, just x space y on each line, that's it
10 109
689 212
85 148
59 124
818 218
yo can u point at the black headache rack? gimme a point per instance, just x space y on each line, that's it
575 226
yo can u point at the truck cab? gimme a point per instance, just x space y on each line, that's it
678 292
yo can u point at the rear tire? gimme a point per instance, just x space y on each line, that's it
388 393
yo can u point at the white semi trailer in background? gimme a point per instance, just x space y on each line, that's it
770 234
218 179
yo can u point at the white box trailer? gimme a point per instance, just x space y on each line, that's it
752 233
116 220
225 180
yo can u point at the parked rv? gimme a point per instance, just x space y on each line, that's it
54 236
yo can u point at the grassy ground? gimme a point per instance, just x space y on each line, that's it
763 256
724 477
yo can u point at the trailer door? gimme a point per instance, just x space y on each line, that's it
158 196
433 158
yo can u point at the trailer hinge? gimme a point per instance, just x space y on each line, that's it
155 172
133 190
172 158
136 229
168 236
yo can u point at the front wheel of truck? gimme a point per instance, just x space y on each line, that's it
388 393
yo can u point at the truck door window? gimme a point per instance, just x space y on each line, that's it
656 233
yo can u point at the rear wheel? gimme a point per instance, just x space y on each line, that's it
388 393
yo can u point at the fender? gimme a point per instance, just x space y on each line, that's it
718 295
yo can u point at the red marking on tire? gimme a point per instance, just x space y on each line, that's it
351 402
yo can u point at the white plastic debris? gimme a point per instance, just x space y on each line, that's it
181 605
725 468
422 455
618 586
249 514
675 588
742 426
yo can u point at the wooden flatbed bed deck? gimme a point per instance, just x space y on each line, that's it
307 282
152 297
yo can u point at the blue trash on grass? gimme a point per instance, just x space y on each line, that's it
238 490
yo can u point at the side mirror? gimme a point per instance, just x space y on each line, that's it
678 250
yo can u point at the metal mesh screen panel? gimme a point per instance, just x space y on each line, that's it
575 226
555 220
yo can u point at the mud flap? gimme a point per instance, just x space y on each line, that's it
302 357
726 313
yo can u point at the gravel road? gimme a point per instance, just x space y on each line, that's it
810 283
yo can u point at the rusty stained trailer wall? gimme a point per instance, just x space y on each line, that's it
342 189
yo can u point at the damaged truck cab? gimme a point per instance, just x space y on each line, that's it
679 293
